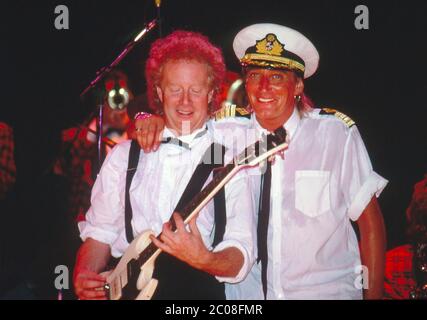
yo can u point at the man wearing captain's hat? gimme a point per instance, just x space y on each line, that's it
307 248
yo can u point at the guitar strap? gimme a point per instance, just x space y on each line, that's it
132 166
208 163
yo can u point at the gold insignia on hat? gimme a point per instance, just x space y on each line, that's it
269 52
269 45
344 118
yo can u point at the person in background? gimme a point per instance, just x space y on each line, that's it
63 192
7 183
78 160
7 160
406 265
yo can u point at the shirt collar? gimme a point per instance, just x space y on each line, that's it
290 125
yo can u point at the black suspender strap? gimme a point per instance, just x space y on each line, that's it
220 216
132 165
213 158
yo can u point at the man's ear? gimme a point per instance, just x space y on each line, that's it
210 95
159 93
299 87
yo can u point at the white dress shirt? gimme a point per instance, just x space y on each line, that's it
156 188
325 180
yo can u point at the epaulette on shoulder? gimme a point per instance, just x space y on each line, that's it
231 111
344 118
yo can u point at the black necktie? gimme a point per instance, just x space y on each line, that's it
263 216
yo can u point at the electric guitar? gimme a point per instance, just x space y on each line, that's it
132 277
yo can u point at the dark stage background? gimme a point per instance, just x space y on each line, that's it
376 76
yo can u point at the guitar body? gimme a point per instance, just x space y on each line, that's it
121 283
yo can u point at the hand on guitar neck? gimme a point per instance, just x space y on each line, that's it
188 246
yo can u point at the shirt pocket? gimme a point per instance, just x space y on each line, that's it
312 192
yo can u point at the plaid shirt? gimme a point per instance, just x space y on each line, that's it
7 162
399 279
79 163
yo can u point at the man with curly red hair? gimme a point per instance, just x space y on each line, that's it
180 45
184 75
187 46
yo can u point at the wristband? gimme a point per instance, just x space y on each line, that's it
142 116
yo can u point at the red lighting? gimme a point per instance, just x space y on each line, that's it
122 83
109 85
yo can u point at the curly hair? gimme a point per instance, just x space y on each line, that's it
184 45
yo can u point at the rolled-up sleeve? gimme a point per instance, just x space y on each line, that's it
240 227
358 180
105 218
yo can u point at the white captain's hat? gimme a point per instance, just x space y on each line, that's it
274 46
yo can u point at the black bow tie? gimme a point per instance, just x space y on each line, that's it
177 142
181 143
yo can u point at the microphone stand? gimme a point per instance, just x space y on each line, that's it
102 73
159 19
